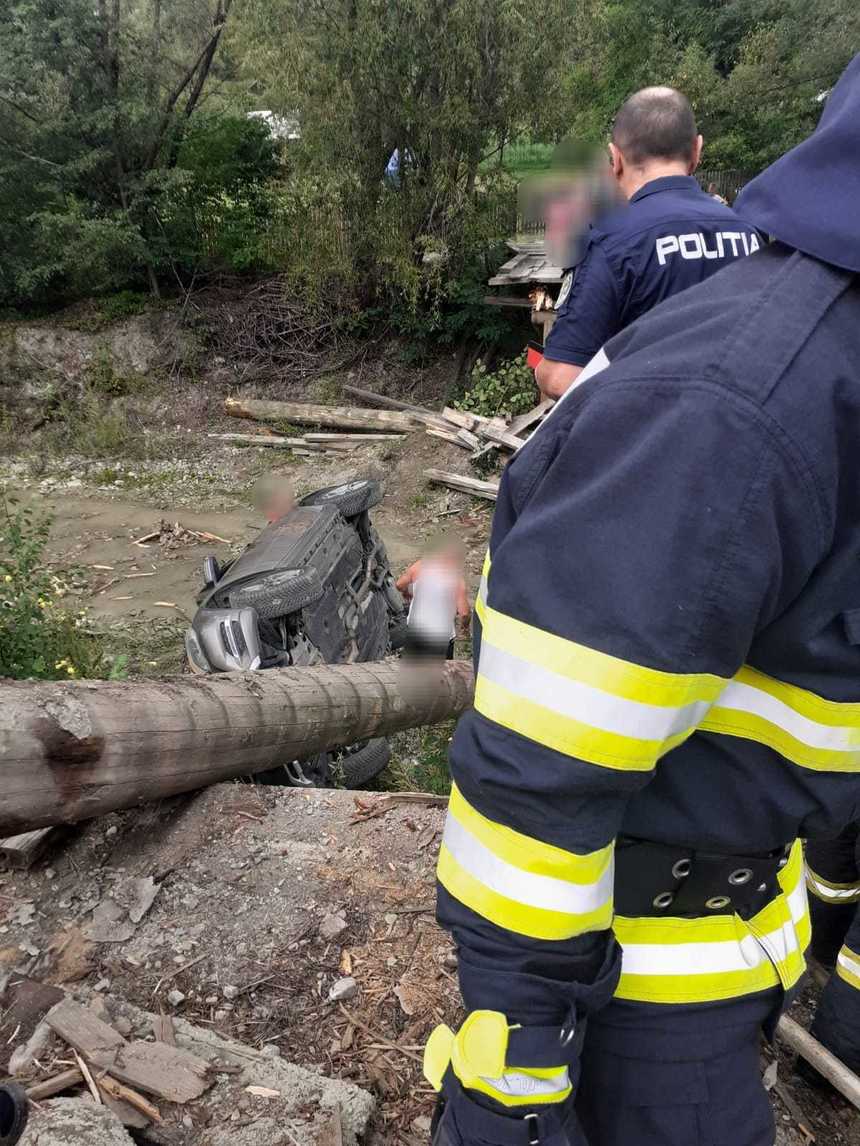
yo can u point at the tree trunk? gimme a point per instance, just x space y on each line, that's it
73 750
309 414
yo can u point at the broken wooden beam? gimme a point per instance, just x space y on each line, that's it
56 1085
71 750
531 417
485 489
824 1061
311 414
23 850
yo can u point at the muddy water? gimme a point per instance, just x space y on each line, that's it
155 580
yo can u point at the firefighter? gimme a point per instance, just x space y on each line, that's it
670 236
833 881
667 697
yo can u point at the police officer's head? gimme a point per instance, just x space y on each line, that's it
654 134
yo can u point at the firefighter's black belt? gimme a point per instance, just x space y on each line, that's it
658 879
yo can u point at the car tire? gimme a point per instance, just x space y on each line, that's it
355 768
351 498
280 594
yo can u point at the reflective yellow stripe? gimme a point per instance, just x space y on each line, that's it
804 728
675 960
583 702
848 967
618 714
525 1087
829 892
520 883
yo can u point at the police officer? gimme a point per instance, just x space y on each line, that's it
667 697
671 236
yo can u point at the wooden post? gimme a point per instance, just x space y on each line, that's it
73 750
309 414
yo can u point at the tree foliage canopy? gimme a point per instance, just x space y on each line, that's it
126 154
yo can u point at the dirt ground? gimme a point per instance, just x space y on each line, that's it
248 877
266 898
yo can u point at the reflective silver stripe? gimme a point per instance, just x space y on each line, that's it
518 1085
745 698
525 887
833 893
850 964
710 958
585 703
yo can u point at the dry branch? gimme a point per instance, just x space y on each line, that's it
826 1063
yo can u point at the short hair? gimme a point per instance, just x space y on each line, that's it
655 123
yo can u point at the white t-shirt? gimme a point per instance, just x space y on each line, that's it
434 601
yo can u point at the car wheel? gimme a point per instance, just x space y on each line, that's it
279 594
356 766
351 498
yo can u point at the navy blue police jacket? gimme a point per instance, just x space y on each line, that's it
670 236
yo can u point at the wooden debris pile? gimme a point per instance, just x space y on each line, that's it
365 425
125 1076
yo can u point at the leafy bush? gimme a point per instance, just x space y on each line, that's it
42 637
510 389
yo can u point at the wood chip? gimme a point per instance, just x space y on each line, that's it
162 1026
263 1092
88 1079
165 604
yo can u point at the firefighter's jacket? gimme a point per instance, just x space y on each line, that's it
667 648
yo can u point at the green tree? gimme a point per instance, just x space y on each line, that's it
96 97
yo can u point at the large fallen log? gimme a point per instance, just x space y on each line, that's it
73 750
310 414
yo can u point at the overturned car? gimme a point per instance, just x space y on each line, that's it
314 587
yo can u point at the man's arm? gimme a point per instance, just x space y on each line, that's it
588 318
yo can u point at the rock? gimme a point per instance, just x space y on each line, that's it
299 1086
112 831
332 926
343 989
421 1125
230 992
271 1051
175 997
61 1121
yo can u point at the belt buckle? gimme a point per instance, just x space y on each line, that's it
532 1126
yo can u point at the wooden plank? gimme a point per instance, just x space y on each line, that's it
507 300
356 439
311 414
485 489
448 436
420 413
531 417
21 851
156 1068
270 441
468 439
83 1030
56 1085
500 437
